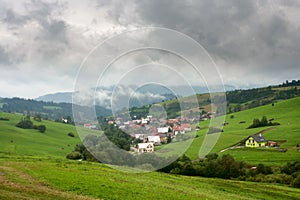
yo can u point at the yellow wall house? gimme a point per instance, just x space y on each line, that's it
256 141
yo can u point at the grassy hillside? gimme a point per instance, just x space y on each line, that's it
237 100
33 164
49 179
285 112
54 142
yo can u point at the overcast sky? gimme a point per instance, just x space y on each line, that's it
43 43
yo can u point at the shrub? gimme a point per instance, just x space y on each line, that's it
26 124
4 119
75 155
71 134
41 128
296 182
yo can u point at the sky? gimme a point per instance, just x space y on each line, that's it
44 43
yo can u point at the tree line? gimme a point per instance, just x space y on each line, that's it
262 123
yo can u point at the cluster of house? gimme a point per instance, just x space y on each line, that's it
150 131
257 140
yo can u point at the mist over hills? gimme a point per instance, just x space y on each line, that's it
59 97
150 93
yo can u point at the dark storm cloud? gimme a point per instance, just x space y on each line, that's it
246 38
45 14
243 35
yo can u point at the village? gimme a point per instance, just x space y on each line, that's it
151 131
148 132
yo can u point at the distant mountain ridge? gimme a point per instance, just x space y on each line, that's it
60 97
47 110
66 97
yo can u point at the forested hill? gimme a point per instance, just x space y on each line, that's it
244 99
47 110
237 100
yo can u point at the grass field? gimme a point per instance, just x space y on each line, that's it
33 164
54 142
285 112
60 179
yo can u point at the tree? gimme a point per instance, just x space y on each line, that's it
26 124
256 123
169 139
264 121
211 156
41 128
71 134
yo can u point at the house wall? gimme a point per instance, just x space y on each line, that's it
250 142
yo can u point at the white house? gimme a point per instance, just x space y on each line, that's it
144 121
154 139
139 136
145 147
163 130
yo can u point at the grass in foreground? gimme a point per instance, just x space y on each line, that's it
61 179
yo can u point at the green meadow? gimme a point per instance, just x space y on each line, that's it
33 164
288 133
55 142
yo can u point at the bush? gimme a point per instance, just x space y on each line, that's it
71 134
262 169
75 155
4 119
296 182
26 124
291 168
41 128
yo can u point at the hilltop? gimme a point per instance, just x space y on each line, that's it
48 110
237 100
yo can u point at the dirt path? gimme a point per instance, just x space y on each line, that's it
15 184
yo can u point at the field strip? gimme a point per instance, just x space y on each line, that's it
24 186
